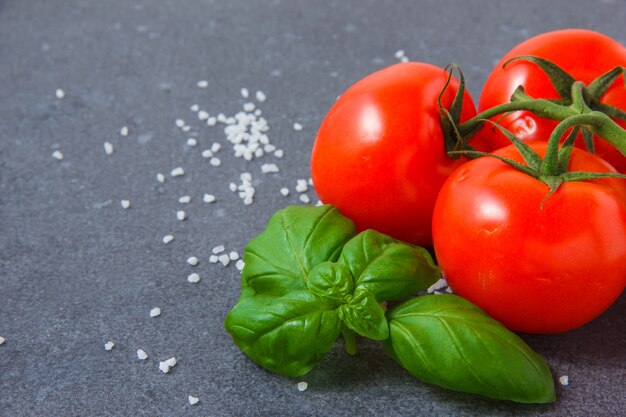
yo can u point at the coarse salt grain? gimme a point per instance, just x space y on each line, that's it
141 355
302 186
192 260
399 53
186 128
164 367
155 312
160 178
209 198
245 93
192 142
2 340
193 400
218 249
215 147
125 204
58 155
215 161
297 127
108 148
260 96
184 199
203 115
224 259
249 107
214 259
279 153
233 255
207 153
440 284
181 215
109 345
60 94
232 186
180 123
124 131
194 108
269 168
302 386
284 191
171 362
305 198
177 172
203 84
564 380
211 121
193 278
240 264
167 239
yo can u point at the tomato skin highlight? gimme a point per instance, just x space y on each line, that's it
536 269
584 54
379 154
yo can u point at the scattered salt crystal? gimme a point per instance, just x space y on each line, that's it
155 312
302 386
269 168
167 239
109 345
177 172
215 147
203 115
124 131
171 362
193 400
224 259
319 203
284 191
564 380
297 127
60 94
269 148
279 153
310 181
180 123
404 59
305 198
301 186
215 162
165 366
184 199
260 96
58 155
192 260
240 264
440 284
192 142
181 215
194 108
245 93
160 177
233 255
399 54
214 259
232 186
258 112
125 204
2 340
211 121
209 198
249 107
186 128
207 153
193 278
203 84
141 355
218 249
108 148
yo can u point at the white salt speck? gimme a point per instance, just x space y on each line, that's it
108 148
305 198
215 161
141 355
180 123
319 203
284 191
124 131
155 312
171 362
160 177
181 215
60 94
184 199
207 153
301 186
258 112
211 121
214 259
192 260
192 142
310 181
224 259
260 96
203 115
167 239
58 155
249 107
240 264
297 127
218 249
440 284
186 128
193 400
233 255
109 345
2 340
194 108
193 278
245 93
269 168
279 153
177 172
203 84
164 367
125 204
404 59
399 54
232 186
215 147
209 198
302 386
564 380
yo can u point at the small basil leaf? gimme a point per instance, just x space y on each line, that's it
331 282
388 268
296 239
288 335
448 341
365 316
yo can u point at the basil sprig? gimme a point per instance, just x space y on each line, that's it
309 277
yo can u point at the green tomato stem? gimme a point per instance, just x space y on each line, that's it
349 340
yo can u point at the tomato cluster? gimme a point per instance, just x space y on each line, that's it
543 249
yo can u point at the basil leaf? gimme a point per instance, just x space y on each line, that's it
365 316
288 335
296 239
331 282
388 268
448 341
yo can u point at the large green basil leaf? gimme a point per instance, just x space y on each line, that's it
388 268
296 239
365 316
448 341
332 282
288 335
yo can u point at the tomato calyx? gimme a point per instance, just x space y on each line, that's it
575 98
450 118
552 169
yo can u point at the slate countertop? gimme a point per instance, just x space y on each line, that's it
77 270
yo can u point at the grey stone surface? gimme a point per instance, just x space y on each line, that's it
76 270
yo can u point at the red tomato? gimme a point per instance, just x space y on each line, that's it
584 54
379 155
537 266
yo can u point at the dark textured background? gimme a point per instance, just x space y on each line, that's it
76 270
